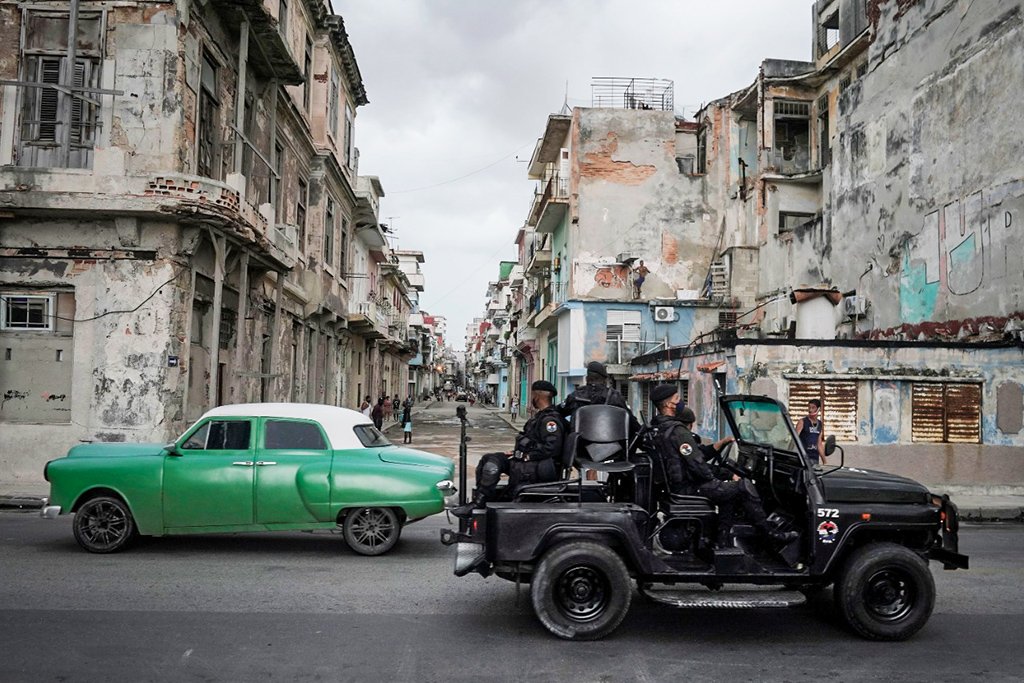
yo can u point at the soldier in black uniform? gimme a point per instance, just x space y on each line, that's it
688 474
595 392
537 455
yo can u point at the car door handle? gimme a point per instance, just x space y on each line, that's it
244 463
261 463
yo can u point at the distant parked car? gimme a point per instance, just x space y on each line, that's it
251 467
461 396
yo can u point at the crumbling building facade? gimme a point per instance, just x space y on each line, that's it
179 197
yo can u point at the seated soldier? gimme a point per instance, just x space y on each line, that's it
536 457
688 474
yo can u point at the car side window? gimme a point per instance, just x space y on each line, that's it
288 435
220 435
370 436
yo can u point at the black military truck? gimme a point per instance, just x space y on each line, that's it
583 543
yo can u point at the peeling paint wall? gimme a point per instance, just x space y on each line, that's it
884 376
632 199
143 222
928 180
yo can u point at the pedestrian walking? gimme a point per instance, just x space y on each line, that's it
377 415
811 431
514 408
407 425
396 408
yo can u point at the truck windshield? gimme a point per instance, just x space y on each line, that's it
762 422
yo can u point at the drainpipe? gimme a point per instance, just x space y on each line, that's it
871 266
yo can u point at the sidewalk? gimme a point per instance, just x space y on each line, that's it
990 503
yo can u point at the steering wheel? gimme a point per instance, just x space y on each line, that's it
727 459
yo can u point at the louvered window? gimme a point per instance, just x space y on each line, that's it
50 116
946 413
623 335
838 406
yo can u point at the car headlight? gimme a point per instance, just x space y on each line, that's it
447 487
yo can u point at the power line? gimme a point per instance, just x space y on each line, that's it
461 177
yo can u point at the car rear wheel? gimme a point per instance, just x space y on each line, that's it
886 592
581 591
104 525
372 531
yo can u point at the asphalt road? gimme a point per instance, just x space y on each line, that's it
294 606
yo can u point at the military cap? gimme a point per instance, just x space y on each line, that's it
686 415
596 368
662 392
544 385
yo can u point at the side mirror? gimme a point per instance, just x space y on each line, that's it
830 445
172 449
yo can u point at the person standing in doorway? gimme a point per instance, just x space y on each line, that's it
514 408
811 430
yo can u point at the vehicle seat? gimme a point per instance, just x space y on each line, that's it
600 439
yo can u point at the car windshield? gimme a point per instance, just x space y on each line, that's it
370 436
762 422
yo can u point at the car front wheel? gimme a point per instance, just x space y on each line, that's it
581 591
886 592
372 531
104 525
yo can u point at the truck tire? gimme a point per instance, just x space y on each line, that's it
885 592
581 591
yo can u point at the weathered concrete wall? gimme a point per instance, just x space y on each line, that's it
122 387
928 175
634 200
884 401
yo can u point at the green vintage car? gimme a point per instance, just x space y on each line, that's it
251 467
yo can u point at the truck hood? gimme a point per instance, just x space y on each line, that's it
854 485
115 450
410 456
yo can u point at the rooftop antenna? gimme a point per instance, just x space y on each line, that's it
565 102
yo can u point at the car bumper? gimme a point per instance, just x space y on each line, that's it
49 511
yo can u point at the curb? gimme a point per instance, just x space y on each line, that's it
992 514
19 501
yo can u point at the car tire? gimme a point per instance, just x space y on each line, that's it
581 591
371 531
104 524
885 592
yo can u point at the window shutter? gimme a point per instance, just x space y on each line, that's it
78 104
839 410
49 72
963 413
838 406
927 410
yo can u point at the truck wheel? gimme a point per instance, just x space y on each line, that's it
885 592
581 591
104 525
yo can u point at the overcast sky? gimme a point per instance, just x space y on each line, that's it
459 89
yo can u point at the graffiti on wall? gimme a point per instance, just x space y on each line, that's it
963 245
612 276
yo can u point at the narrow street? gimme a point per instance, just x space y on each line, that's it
436 429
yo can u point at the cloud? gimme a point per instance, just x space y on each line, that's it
458 87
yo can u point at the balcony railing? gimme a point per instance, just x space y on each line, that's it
790 159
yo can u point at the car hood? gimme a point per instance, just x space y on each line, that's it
116 450
410 456
854 485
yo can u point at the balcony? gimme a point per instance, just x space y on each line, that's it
269 54
366 320
550 204
539 261
790 160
